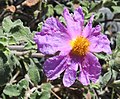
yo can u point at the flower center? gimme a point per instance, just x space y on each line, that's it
79 46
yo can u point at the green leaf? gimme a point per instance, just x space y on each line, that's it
45 95
116 9
109 77
59 9
2 47
116 83
3 40
35 95
106 78
62 20
17 23
34 75
11 90
16 32
96 7
117 58
1 31
70 3
7 24
85 10
4 74
46 87
96 86
88 16
30 45
11 40
85 3
50 11
11 61
20 33
118 41
23 84
3 96
40 26
4 69
115 63
108 3
101 56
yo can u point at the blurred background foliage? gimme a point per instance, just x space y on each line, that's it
21 73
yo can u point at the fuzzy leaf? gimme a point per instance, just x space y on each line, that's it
50 11
7 24
59 9
46 86
34 75
11 90
4 69
23 84
45 95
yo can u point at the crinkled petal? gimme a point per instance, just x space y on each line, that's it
52 26
100 43
88 28
54 66
48 44
83 78
79 18
91 68
78 15
53 37
73 26
96 30
70 74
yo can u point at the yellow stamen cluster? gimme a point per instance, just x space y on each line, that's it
80 46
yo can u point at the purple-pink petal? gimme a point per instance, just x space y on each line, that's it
83 78
96 30
70 74
78 15
53 37
53 26
73 26
99 43
54 66
79 18
90 69
88 28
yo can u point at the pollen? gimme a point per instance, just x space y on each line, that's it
80 46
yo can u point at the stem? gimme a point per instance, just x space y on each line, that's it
16 47
96 93
112 96
108 20
19 50
3 12
14 77
55 94
34 55
115 83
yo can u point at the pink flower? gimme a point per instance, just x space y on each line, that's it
76 45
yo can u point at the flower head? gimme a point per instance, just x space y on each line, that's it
80 46
76 45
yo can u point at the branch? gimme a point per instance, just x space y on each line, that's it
2 14
34 55
55 94
16 47
14 77
115 83
19 50
109 20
